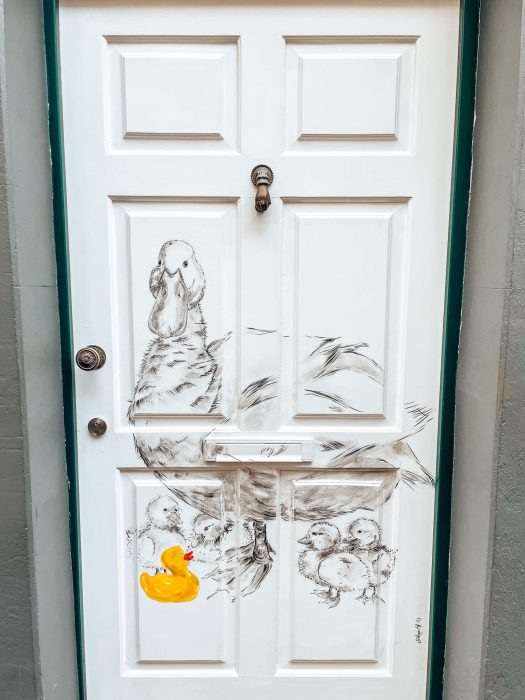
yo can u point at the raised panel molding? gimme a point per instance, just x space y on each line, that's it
173 96
349 94
345 96
344 268
178 636
203 231
201 636
310 635
165 95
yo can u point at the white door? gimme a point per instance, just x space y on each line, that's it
272 379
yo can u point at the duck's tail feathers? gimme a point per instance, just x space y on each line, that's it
413 479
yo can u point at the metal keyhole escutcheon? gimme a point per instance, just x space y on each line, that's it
91 357
97 427
262 178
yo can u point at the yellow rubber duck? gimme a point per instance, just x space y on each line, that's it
181 586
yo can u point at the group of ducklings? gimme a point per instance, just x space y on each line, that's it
357 563
161 545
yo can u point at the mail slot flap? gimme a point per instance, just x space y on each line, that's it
267 451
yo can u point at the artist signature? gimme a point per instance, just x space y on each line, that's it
419 630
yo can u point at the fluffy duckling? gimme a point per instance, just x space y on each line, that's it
364 540
321 539
208 536
324 563
161 530
179 586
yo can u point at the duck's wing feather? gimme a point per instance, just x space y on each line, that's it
313 501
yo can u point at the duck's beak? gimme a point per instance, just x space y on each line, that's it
169 315
197 540
175 518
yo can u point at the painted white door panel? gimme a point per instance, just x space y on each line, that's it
272 380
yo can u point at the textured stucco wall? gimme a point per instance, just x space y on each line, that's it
505 636
37 643
485 653
17 662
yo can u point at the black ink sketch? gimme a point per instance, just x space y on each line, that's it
420 414
324 562
258 392
178 363
329 445
329 357
259 331
396 454
255 491
180 366
364 540
419 630
162 529
208 537
357 564
273 451
336 403
244 568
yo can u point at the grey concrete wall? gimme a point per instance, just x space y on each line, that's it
37 644
17 661
485 649
504 648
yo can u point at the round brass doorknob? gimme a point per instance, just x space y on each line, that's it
91 357
97 427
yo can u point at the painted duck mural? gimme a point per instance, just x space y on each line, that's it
181 366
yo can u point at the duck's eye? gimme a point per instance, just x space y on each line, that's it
206 528
165 510
359 532
185 263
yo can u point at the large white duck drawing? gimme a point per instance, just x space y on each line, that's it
178 369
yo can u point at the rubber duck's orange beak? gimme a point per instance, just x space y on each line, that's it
188 556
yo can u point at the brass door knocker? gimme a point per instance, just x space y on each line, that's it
262 178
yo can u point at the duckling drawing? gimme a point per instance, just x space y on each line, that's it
179 586
364 540
208 536
161 530
336 571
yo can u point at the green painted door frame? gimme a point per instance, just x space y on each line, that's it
469 27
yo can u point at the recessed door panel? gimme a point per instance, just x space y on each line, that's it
164 253
344 272
155 520
341 565
168 93
324 74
